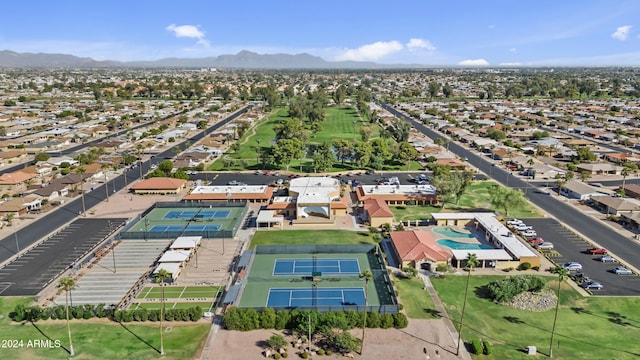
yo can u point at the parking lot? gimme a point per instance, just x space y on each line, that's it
569 247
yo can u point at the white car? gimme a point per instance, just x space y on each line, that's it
522 227
572 266
529 233
545 246
515 222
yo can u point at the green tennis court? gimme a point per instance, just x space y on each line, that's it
300 277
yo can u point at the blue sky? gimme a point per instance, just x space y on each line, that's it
428 32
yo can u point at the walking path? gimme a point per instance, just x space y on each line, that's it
463 354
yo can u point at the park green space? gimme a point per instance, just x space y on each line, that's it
340 123
99 338
475 198
415 300
587 327
310 237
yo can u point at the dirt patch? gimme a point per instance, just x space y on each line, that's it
408 343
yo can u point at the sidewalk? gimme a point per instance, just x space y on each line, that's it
463 354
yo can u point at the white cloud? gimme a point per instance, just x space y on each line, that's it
415 44
371 52
513 50
622 32
474 62
189 31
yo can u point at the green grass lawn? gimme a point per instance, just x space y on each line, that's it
587 327
416 301
205 306
413 212
155 292
312 237
340 123
99 339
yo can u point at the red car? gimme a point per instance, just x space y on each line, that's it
597 251
537 241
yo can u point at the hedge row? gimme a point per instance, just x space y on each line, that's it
247 319
35 313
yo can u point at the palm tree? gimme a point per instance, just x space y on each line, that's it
140 147
67 284
80 171
160 276
562 275
104 167
366 275
471 262
530 162
624 173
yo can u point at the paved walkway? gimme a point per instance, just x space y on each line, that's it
463 354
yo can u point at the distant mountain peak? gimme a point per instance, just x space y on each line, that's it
244 59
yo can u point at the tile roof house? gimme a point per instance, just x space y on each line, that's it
159 185
377 212
616 205
415 247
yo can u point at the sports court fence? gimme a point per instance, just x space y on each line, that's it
184 231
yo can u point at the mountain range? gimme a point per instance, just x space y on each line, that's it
242 60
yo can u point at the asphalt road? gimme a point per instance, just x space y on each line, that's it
42 227
623 247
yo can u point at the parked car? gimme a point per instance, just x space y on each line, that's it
514 222
597 251
536 241
592 285
545 246
606 258
233 182
621 270
529 233
572 266
522 227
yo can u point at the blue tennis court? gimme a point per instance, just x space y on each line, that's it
196 214
286 297
306 267
163 228
190 227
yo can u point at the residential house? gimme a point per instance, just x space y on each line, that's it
15 182
600 168
615 205
575 189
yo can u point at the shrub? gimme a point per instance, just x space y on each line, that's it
304 355
536 268
400 321
276 355
488 349
524 266
503 290
442 267
328 352
320 352
476 347
285 355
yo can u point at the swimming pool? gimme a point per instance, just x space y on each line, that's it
456 245
449 232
